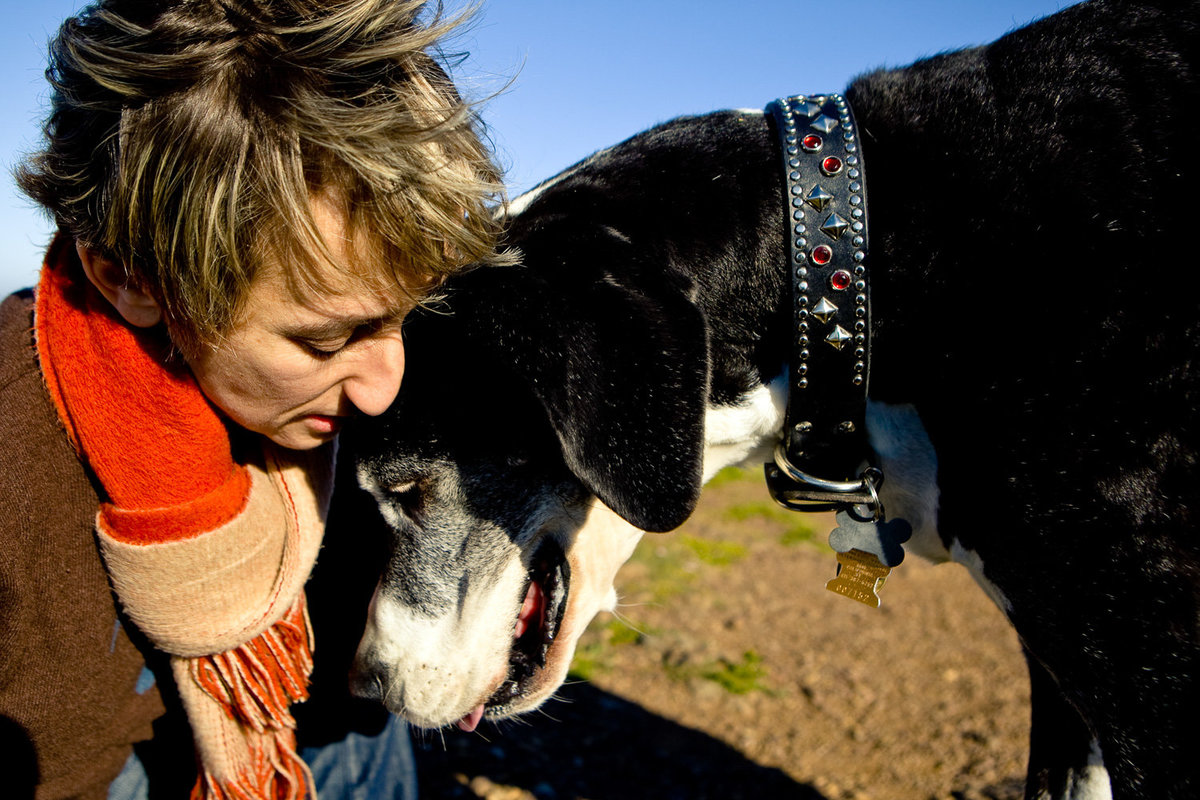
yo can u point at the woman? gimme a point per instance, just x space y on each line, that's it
250 195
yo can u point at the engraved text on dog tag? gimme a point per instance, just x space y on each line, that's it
860 576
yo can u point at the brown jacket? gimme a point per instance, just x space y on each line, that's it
74 697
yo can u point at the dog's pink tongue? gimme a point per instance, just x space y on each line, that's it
471 721
531 609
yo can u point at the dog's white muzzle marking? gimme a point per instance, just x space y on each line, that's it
434 671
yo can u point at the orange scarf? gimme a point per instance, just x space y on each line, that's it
207 557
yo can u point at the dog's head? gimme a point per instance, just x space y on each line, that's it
530 408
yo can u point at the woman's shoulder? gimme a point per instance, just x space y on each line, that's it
16 337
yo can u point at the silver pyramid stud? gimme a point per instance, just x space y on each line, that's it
818 198
839 338
808 109
835 226
824 310
823 123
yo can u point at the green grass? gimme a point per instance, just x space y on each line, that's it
795 527
736 677
667 574
593 653
589 661
669 566
733 475
740 677
715 553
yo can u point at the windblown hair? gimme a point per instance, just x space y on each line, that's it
187 140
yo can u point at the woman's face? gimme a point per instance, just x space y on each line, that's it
293 370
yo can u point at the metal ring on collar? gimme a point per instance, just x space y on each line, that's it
865 482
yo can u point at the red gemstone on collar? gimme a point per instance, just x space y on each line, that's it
822 255
812 143
831 165
840 280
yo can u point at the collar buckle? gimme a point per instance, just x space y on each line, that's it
797 490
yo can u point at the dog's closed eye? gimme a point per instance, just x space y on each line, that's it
406 495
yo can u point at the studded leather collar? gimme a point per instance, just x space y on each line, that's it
820 460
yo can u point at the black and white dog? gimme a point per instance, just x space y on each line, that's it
1035 389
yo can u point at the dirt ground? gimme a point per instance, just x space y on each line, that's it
731 672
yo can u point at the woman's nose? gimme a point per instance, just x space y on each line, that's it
376 376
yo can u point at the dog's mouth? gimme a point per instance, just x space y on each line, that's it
537 626
538 622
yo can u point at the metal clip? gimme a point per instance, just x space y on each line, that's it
795 489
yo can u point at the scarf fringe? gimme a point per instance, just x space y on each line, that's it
279 775
254 685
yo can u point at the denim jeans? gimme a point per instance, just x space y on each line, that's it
358 767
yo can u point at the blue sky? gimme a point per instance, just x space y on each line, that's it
573 77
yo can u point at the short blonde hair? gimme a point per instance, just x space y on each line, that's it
187 140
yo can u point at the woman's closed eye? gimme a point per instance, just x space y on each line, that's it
326 347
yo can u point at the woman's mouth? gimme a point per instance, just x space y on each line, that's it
323 424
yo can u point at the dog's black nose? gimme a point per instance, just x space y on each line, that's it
366 681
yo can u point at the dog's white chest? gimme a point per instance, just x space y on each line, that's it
744 433
909 466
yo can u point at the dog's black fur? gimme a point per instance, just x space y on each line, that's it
1030 208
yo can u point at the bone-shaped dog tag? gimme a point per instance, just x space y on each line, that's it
882 539
860 577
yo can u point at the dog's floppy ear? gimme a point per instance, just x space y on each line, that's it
616 353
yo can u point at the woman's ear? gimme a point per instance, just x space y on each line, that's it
137 307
